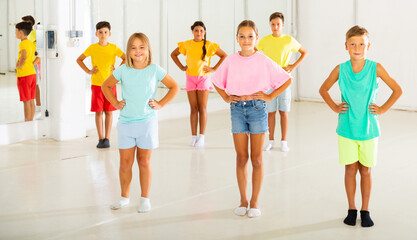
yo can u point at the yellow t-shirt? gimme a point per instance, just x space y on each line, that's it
194 52
32 37
27 68
279 48
103 57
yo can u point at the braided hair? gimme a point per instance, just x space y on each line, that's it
201 24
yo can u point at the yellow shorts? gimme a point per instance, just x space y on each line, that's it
351 151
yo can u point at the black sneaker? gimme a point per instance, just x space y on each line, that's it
100 143
105 143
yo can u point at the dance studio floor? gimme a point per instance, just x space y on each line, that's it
62 190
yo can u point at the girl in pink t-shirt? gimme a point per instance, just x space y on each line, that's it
198 52
242 80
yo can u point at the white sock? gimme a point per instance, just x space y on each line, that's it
284 146
144 205
269 146
254 212
120 203
240 211
37 108
193 140
200 141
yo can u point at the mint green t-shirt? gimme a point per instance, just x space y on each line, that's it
359 90
138 87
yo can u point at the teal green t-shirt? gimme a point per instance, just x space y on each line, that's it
359 90
138 87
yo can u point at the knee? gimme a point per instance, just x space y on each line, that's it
125 166
99 114
108 113
241 160
256 161
351 170
365 171
194 109
202 109
144 162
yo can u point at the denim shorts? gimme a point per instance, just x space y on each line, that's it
249 117
282 102
143 134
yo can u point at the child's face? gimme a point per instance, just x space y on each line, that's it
103 34
276 25
138 51
357 46
198 33
246 37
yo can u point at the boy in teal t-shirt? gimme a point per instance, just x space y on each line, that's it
358 127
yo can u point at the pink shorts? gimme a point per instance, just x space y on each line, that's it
197 83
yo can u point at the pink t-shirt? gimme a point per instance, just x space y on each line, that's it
239 75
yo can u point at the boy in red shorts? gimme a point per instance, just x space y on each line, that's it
26 74
103 57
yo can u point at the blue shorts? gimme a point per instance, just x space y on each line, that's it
282 102
249 117
142 134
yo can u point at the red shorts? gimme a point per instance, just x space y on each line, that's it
27 87
99 103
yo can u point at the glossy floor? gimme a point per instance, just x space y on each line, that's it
62 190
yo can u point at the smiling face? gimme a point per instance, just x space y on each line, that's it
138 52
276 25
198 33
103 34
357 46
247 37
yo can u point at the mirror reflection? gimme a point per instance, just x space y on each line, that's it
20 61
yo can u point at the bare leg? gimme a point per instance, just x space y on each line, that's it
38 96
192 98
284 125
350 183
271 124
108 123
202 97
127 157
366 185
29 110
256 142
99 124
242 157
145 172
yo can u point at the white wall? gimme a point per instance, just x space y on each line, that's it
392 36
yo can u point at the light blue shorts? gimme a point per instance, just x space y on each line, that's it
282 102
249 117
143 134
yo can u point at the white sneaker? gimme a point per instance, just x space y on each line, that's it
193 141
200 141
269 146
120 203
240 211
254 212
284 146
144 205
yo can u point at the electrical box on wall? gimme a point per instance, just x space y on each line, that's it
74 36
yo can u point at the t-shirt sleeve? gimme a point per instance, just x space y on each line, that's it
219 77
260 45
160 73
295 45
88 52
119 52
181 48
212 48
118 73
278 76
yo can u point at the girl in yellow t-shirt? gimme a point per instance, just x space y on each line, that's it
198 52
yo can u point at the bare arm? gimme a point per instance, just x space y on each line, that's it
396 91
292 67
37 59
226 97
22 59
123 57
108 93
80 62
174 56
222 55
273 94
324 92
173 87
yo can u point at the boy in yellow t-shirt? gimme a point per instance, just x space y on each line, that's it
26 74
279 47
103 57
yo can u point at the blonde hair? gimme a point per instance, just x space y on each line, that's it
247 23
147 44
356 31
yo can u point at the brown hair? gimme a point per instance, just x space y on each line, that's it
247 23
26 27
30 19
276 15
356 31
201 24
103 24
145 41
